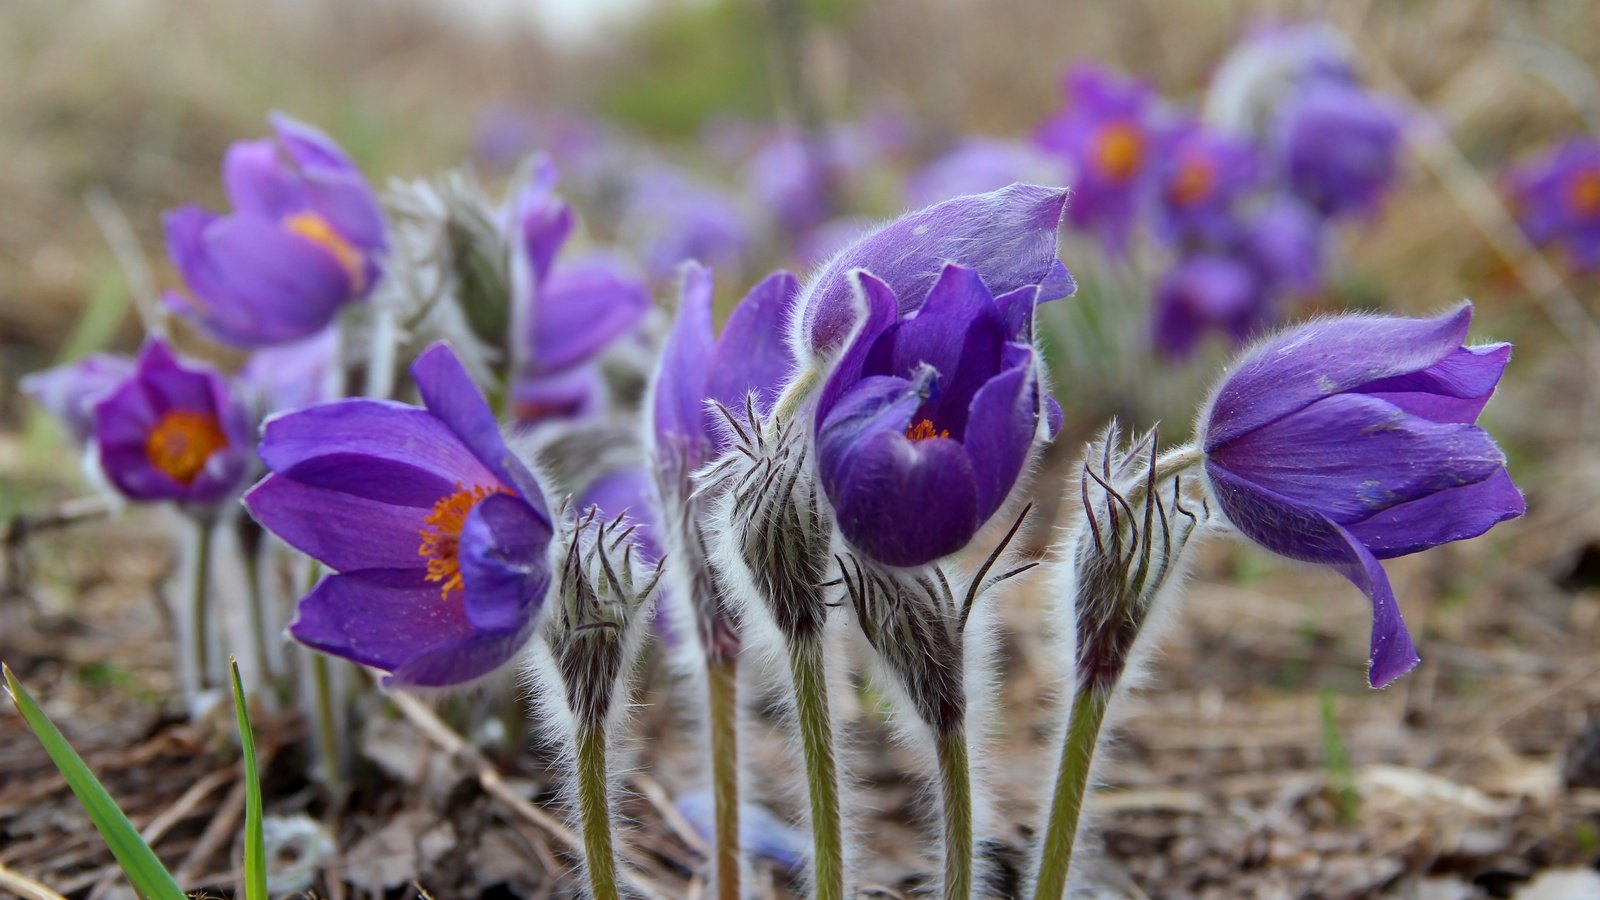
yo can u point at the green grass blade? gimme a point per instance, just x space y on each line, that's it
255 842
148 876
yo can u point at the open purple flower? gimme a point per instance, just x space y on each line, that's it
304 238
69 392
437 532
173 431
1340 146
1557 200
927 421
1201 177
1009 235
1351 439
1106 132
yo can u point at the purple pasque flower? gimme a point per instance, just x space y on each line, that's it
1009 235
797 176
1200 178
69 392
305 237
1107 134
671 217
173 430
1340 147
1284 239
1556 199
1351 439
569 311
436 531
1205 292
927 421
977 165
698 367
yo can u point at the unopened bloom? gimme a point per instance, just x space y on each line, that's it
1351 439
437 533
1106 132
304 238
1557 200
942 404
69 392
1201 176
173 430
1340 146
627 492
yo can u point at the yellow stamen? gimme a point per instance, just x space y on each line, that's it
1583 193
181 442
1192 182
1119 150
441 534
924 430
317 230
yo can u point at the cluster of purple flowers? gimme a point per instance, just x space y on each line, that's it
1556 199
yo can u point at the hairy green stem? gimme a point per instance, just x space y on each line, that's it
722 682
199 605
822 781
955 786
1072 784
594 811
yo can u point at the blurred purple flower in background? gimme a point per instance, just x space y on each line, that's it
305 237
1107 133
1341 147
173 430
978 165
436 531
798 178
627 491
670 217
1205 292
1556 198
1284 239
1351 439
290 376
69 392
1201 176
925 424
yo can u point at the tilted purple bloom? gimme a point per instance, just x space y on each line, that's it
1340 147
1009 235
1107 134
1201 176
305 237
978 165
927 420
1351 439
1207 292
436 531
69 392
173 430
1556 198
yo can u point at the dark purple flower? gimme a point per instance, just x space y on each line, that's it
69 392
1201 176
1008 235
1207 292
437 531
1340 146
1556 199
670 218
304 238
927 421
697 366
1106 133
1351 439
173 430
978 165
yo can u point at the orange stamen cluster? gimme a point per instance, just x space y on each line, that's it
924 430
1192 182
181 442
441 534
1583 193
1119 150
317 230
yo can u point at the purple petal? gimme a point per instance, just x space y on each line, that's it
572 394
753 352
1453 390
341 530
544 220
1451 515
70 392
1302 365
465 660
1390 652
334 186
877 309
631 491
679 394
258 182
999 433
580 309
503 564
382 618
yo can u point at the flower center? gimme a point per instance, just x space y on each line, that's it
1583 192
441 534
181 442
924 430
1192 182
317 230
1119 150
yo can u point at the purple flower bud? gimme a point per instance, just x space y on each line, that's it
928 418
70 392
1351 439
629 492
173 431
437 532
1008 235
1200 179
1556 198
1340 146
304 238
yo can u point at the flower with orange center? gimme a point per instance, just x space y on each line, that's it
1119 150
441 534
1583 193
1192 182
182 441
924 430
319 231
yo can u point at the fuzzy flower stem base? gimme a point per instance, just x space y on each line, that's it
722 683
822 780
1072 783
595 812
199 606
955 785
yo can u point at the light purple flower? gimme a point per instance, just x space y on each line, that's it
1201 177
797 177
173 430
1284 240
69 392
1341 147
670 218
437 532
1556 198
927 421
1351 439
978 165
305 237
290 376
